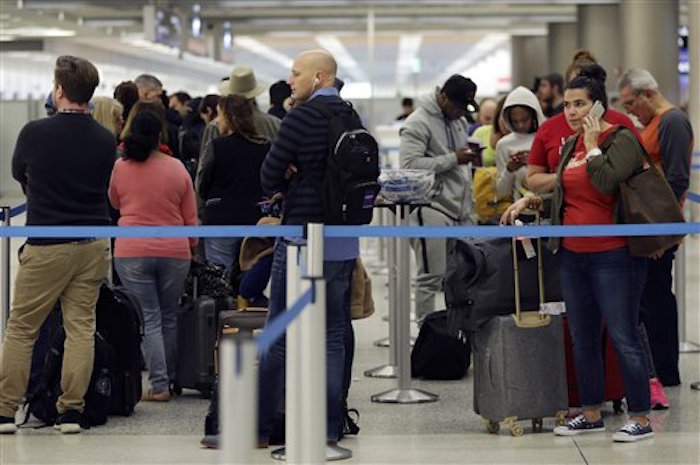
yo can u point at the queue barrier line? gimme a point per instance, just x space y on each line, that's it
14 211
693 196
278 326
81 232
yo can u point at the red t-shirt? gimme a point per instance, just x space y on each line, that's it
584 204
551 136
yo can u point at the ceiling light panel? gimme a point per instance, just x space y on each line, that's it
346 62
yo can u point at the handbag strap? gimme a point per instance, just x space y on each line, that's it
605 145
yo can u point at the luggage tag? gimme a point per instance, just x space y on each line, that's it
553 308
526 242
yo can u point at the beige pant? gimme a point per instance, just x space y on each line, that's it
70 272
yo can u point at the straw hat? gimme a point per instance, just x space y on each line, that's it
242 82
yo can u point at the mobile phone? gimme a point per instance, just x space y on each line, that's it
596 110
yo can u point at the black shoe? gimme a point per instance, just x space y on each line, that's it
7 425
71 422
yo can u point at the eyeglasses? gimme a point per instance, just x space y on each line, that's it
628 104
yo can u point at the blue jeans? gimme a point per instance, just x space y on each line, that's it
606 285
223 250
338 276
157 283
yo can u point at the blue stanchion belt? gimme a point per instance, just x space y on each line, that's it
660 229
278 326
14 211
693 197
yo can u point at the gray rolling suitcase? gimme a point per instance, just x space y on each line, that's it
519 366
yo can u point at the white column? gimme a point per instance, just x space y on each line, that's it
650 40
562 41
529 59
599 32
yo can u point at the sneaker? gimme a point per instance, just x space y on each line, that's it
633 431
579 425
71 422
659 401
7 425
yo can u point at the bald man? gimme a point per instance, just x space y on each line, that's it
295 166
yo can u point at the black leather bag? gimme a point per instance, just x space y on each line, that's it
479 282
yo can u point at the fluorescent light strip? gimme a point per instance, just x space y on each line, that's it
481 49
409 44
258 48
345 61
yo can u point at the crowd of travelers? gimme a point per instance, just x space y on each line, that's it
145 158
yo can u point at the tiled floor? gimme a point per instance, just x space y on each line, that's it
443 432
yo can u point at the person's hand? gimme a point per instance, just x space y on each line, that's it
591 132
657 255
276 197
466 155
514 210
291 172
517 160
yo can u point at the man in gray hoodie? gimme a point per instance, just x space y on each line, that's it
434 137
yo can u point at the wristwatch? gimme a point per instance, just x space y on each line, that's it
594 152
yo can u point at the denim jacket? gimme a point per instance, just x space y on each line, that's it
622 157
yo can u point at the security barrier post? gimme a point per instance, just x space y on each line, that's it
238 399
5 280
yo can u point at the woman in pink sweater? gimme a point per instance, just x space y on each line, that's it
150 188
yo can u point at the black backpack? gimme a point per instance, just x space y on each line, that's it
350 185
120 322
41 402
438 355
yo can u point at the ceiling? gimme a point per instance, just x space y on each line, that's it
416 44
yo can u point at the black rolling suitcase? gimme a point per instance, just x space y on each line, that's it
197 328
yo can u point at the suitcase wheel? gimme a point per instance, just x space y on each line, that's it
516 430
492 427
561 417
536 425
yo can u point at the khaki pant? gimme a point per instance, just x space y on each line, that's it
70 272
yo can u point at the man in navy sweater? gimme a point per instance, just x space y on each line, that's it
296 164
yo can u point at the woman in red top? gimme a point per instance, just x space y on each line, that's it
599 278
545 152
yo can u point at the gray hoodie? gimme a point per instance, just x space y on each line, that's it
429 141
511 183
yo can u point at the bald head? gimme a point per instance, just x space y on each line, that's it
312 70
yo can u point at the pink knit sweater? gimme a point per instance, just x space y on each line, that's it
156 192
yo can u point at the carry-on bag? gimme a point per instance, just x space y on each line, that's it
519 369
197 329
438 354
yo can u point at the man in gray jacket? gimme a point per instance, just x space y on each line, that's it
434 137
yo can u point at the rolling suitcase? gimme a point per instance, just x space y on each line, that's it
197 328
519 368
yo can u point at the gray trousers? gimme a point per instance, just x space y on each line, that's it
431 258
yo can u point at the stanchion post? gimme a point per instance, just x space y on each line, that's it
238 399
313 354
293 412
5 281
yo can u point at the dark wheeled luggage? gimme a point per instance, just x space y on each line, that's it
120 321
519 369
437 354
197 329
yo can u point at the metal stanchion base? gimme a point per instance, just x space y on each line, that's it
405 396
384 371
333 453
384 342
688 348
695 386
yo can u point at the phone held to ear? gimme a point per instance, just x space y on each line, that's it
596 110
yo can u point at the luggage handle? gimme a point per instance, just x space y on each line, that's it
529 319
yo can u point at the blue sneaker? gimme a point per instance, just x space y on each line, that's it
580 425
633 431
